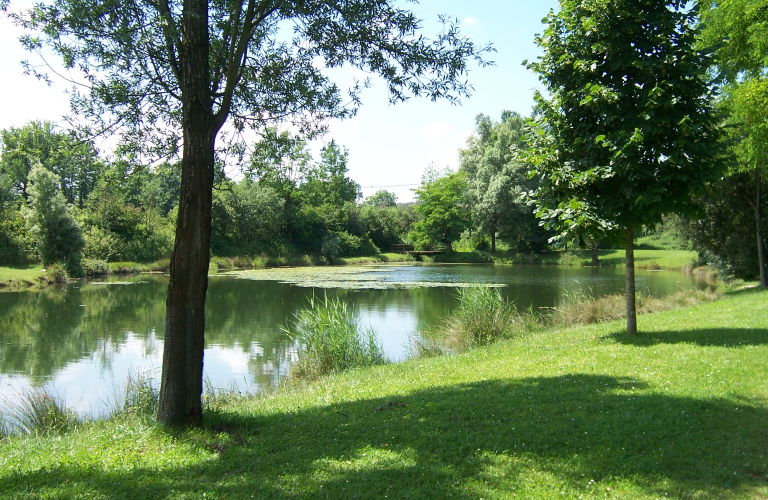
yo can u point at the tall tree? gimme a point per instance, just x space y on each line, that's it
497 180
75 162
629 133
172 73
737 28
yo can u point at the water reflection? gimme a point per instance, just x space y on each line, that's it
84 339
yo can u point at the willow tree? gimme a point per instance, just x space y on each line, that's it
627 132
168 75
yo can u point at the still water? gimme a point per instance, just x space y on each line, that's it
83 340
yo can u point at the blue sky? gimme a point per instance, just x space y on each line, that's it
388 145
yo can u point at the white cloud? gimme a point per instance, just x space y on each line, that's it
470 21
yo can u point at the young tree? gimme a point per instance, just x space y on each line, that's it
57 236
629 133
737 27
172 73
442 207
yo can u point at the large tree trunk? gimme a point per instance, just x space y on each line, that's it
760 244
181 386
631 311
595 260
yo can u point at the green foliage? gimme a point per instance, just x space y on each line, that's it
330 339
442 209
382 199
95 267
74 162
497 182
386 225
57 236
119 228
726 237
736 29
629 133
16 244
247 220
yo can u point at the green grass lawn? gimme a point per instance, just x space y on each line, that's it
23 275
681 411
644 258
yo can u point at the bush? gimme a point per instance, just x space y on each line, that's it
95 267
330 339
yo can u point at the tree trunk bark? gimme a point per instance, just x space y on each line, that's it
181 386
493 241
595 260
631 311
758 224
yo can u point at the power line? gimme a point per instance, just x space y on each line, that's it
395 186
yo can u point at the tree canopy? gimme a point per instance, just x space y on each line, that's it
628 132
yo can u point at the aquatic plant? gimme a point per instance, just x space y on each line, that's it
331 339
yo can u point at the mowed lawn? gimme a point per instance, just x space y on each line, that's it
681 411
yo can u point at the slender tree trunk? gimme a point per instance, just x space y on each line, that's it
181 385
631 311
595 260
493 241
760 243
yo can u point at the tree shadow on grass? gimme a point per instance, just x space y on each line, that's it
707 337
462 441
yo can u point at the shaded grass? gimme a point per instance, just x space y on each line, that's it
676 412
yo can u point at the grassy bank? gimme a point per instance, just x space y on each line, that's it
582 412
674 260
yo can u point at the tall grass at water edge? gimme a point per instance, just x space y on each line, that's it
36 410
330 339
483 316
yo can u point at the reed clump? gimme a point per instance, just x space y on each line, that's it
330 339
481 317
38 410
141 397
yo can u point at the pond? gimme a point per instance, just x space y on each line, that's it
83 340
